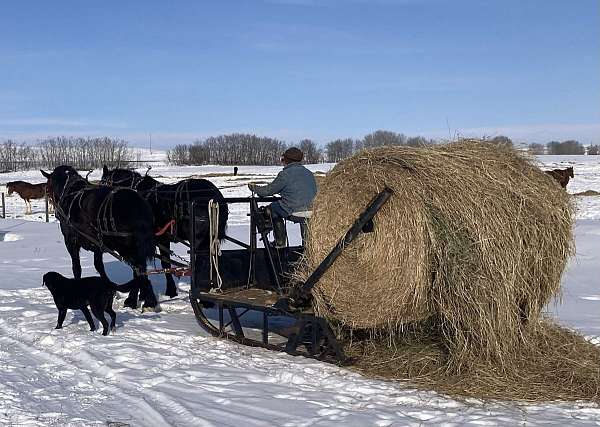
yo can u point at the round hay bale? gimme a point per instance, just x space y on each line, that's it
474 240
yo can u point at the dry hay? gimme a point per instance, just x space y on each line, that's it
468 250
319 178
554 363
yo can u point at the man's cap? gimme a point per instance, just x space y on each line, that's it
293 154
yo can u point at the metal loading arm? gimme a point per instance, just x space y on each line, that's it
303 291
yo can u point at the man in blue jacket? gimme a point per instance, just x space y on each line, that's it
297 187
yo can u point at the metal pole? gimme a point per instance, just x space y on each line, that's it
3 206
356 228
253 241
192 248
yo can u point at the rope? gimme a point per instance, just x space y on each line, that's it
214 242
163 230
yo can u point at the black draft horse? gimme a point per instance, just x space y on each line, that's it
170 205
97 217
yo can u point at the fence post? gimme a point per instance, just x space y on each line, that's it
47 214
3 206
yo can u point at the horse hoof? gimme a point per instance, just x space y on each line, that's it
131 304
171 294
155 309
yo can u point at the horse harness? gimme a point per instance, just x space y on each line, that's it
111 182
149 194
104 217
180 200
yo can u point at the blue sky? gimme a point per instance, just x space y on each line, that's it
296 69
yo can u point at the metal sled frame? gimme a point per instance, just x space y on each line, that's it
311 336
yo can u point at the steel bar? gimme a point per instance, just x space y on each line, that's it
354 230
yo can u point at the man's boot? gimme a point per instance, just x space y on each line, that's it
279 233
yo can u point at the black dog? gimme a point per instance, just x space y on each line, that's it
77 294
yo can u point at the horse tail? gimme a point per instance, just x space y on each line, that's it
132 285
139 212
146 245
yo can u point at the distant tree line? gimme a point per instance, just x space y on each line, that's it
239 149
81 153
339 149
15 156
563 148
232 149
246 149
553 147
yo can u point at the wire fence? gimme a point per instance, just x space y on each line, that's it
23 165
47 208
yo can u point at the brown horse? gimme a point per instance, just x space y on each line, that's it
562 176
27 191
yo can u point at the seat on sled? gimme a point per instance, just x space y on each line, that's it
301 218
267 224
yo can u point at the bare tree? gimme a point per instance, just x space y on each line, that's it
565 147
312 153
536 149
15 156
232 149
418 141
84 153
179 155
383 137
339 149
501 140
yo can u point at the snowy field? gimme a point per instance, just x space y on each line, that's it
160 369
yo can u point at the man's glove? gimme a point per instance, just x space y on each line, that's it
252 186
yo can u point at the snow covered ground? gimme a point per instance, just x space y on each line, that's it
160 369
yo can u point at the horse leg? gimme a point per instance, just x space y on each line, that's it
99 265
132 300
150 302
75 262
171 290
27 206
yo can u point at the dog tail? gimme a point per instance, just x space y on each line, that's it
132 285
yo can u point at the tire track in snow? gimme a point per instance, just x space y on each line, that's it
83 363
33 386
